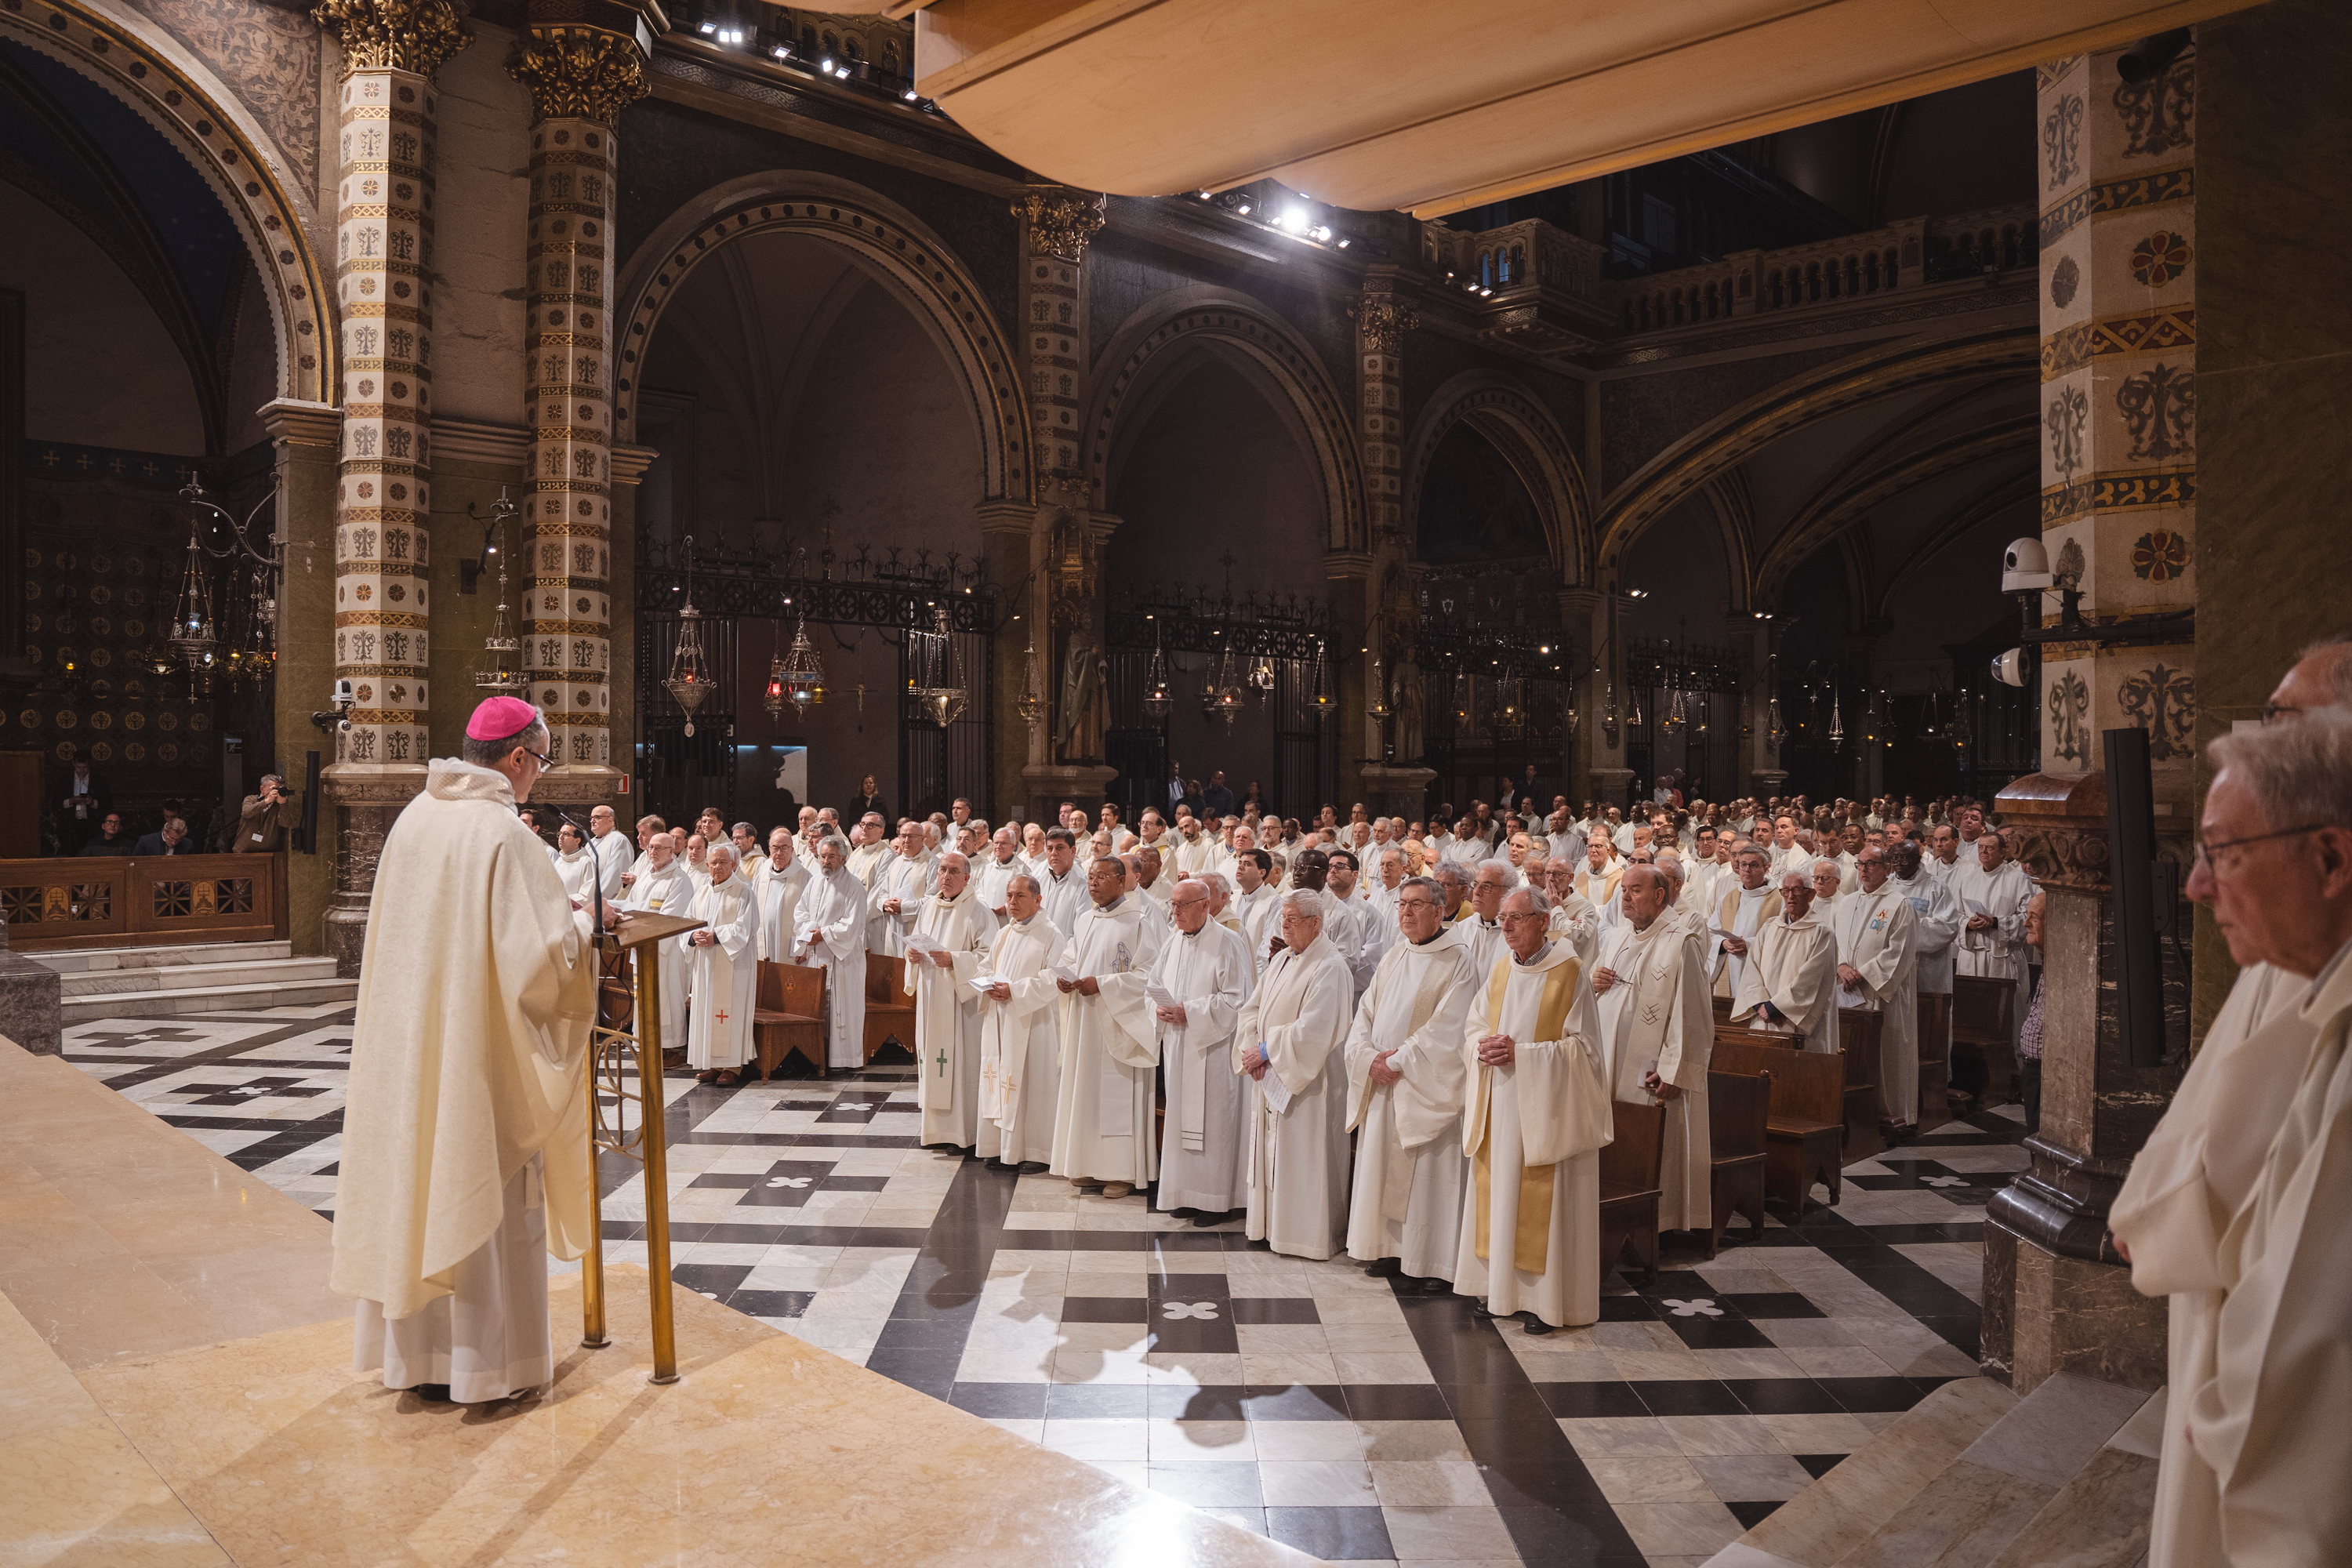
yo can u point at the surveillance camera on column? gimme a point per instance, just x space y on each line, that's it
2010 668
2025 567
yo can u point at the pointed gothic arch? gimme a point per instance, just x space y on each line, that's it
1530 440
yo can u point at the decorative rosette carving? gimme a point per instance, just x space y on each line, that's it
1061 222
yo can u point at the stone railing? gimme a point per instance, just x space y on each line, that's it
1531 254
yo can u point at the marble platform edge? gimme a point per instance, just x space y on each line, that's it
1837 1514
120 1235
117 983
87 959
286 1454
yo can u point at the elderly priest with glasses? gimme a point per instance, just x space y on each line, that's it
465 1152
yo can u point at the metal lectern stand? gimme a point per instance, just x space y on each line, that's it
610 1052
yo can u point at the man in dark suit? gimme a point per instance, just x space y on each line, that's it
1217 800
111 839
173 840
83 799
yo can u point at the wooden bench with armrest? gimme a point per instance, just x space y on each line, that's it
788 1015
1738 1107
888 1009
1629 1187
1858 1037
1804 1129
1935 1066
1984 1012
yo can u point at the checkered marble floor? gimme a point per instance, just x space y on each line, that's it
1357 1419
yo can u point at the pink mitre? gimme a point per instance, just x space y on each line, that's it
500 717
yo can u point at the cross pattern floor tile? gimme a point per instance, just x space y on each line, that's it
1356 1419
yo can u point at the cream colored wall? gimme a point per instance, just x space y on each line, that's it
480 206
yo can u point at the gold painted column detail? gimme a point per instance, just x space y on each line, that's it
579 79
1057 225
384 224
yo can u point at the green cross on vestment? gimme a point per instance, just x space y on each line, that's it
943 1061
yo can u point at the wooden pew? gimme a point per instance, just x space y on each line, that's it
1983 1014
1858 1035
1934 1062
1805 1128
888 1009
1629 1187
1738 1107
788 1015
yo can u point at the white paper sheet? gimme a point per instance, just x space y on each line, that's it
1277 1093
983 983
1846 998
924 942
1159 996
1063 975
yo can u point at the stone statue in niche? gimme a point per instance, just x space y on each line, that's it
1411 716
1081 728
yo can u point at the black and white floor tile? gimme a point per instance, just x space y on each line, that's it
1354 1418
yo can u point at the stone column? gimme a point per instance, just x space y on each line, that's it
1069 530
383 243
580 78
2118 267
1009 543
305 440
1377 591
1597 769
2056 1297
1761 774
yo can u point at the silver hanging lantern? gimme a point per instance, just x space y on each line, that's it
1378 709
1322 684
1157 698
689 680
195 635
501 666
937 688
1032 704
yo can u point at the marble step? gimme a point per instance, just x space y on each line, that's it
2065 1475
83 959
216 988
242 971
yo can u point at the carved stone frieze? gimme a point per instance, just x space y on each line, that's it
578 73
2060 823
1061 222
394 35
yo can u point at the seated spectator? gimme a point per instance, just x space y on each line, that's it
173 840
110 839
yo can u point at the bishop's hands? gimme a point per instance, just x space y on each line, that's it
1496 1051
1382 1074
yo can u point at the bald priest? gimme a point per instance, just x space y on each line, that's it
465 1151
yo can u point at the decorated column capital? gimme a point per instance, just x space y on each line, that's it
1062 222
578 73
1384 320
414 36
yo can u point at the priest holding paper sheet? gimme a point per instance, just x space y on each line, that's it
1200 984
1791 983
945 952
1993 892
1535 1119
1020 1042
1288 1045
465 1148
1109 1040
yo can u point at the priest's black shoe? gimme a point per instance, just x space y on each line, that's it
1537 1326
1384 1269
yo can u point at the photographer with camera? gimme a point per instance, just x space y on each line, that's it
260 825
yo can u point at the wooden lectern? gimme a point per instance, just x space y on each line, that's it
633 1029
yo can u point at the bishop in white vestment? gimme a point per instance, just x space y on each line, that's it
830 933
1535 1119
1792 981
1205 969
947 946
1659 1026
1405 1083
1288 1045
722 971
1110 1040
465 1150
1020 1038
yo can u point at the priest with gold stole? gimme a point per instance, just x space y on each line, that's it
465 1148
1109 1040
1790 985
1404 1095
1659 1026
1535 1119
945 951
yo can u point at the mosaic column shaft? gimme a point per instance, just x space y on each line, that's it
2119 400
1383 585
579 79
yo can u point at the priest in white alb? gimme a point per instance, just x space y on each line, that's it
1204 970
946 952
830 934
1992 891
615 854
465 1151
1290 1044
1740 908
1020 1034
1878 972
1109 1040
901 885
662 887
1790 987
1534 1118
778 881
1572 919
1659 1030
722 971
1405 1082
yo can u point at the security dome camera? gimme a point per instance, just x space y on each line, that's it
2024 568
344 697
2010 668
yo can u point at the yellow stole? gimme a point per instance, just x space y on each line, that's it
1531 1241
1396 1188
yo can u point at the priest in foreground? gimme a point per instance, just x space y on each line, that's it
1110 1040
1406 1079
946 949
1536 1115
1205 969
1879 971
722 971
831 935
465 1148
1020 1039
1790 986
1289 1046
1659 1028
